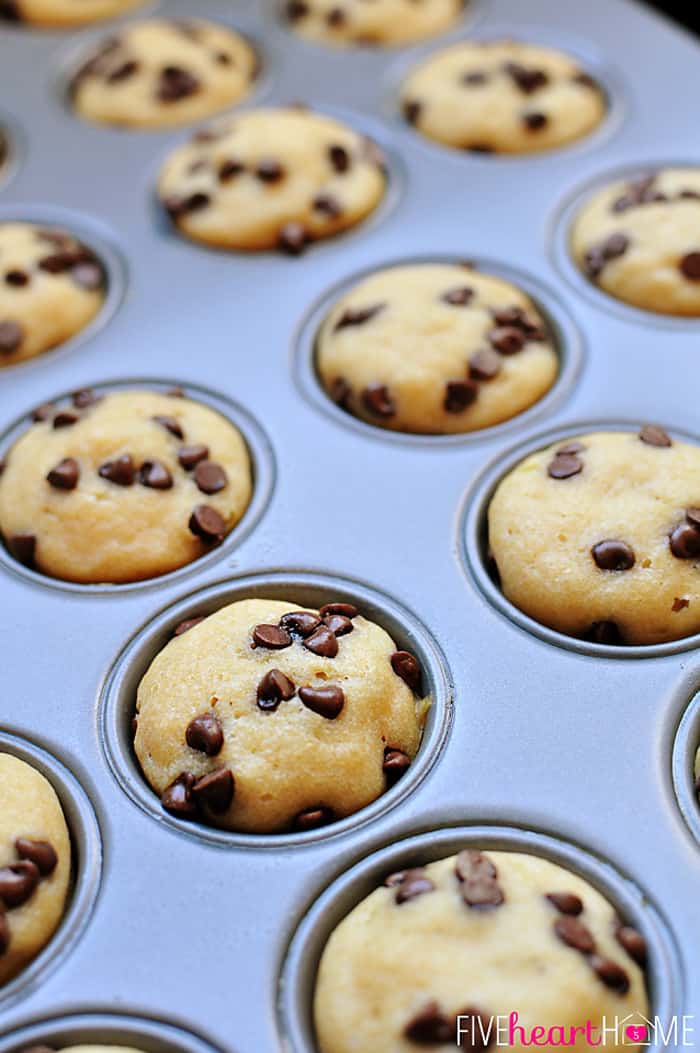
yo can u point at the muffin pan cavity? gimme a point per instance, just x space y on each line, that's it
308 590
86 846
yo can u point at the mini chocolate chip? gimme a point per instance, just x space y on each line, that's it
207 524
327 701
180 206
693 517
679 604
615 245
4 925
205 734
395 764
177 797
11 336
229 169
65 475
574 934
176 392
271 636
155 476
690 266
41 853
408 668
339 157
613 555
338 624
87 275
293 238
9 10
378 401
17 278
270 171
340 392
564 466
222 58
566 902
348 610
604 632
412 110
478 878
275 687
535 120
474 78
121 471
210 477
322 642
430 1027
190 456
460 296
357 316
171 424
413 883
327 205
23 548
17 882
336 17
215 790
585 80
85 397
685 541
527 80
176 83
187 624
300 623
459 394
65 419
484 365
653 435
312 818
610 973
633 942
570 447
507 339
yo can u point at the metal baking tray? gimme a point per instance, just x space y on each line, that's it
182 938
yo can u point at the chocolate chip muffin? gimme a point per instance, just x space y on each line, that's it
122 487
164 72
382 23
266 717
599 536
272 178
51 287
435 349
502 97
35 864
434 957
61 14
639 241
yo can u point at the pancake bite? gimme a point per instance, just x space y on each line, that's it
272 179
435 349
122 487
382 23
35 864
51 287
639 241
62 14
163 72
598 536
266 717
441 954
502 97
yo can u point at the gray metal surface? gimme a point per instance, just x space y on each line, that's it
540 734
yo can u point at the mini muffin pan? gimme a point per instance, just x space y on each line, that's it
190 939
